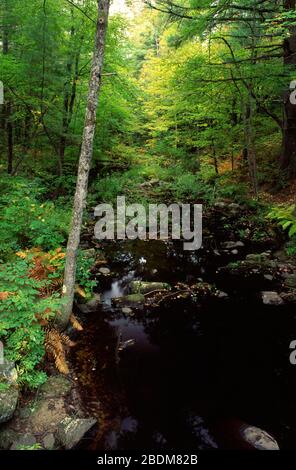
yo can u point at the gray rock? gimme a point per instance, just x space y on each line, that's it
71 430
232 245
259 438
220 205
234 206
48 441
83 308
8 372
257 258
23 442
24 413
127 311
290 280
271 298
221 295
143 287
105 271
7 437
132 300
8 403
91 305
55 386
234 252
281 255
268 277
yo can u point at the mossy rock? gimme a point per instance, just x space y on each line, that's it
8 403
132 300
25 442
7 437
142 287
71 430
290 280
56 385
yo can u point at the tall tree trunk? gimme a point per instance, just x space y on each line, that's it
8 104
9 130
84 162
288 153
69 101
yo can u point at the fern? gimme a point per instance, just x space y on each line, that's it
55 347
285 216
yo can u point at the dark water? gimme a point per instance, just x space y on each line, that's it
189 368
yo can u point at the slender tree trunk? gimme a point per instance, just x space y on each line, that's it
9 130
251 149
67 92
8 104
246 111
69 101
84 162
288 153
215 161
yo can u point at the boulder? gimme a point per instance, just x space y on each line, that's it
258 438
8 372
220 204
143 287
132 300
221 295
8 402
105 271
91 305
127 311
290 280
235 434
257 257
271 298
55 386
7 437
48 441
233 206
26 441
71 430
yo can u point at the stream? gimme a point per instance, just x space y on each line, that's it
183 374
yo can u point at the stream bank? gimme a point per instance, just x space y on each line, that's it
188 368
180 350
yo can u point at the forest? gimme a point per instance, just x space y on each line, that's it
139 344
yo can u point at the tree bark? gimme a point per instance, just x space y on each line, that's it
288 153
9 130
84 163
8 104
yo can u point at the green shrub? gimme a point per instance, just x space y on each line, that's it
285 216
25 221
20 307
